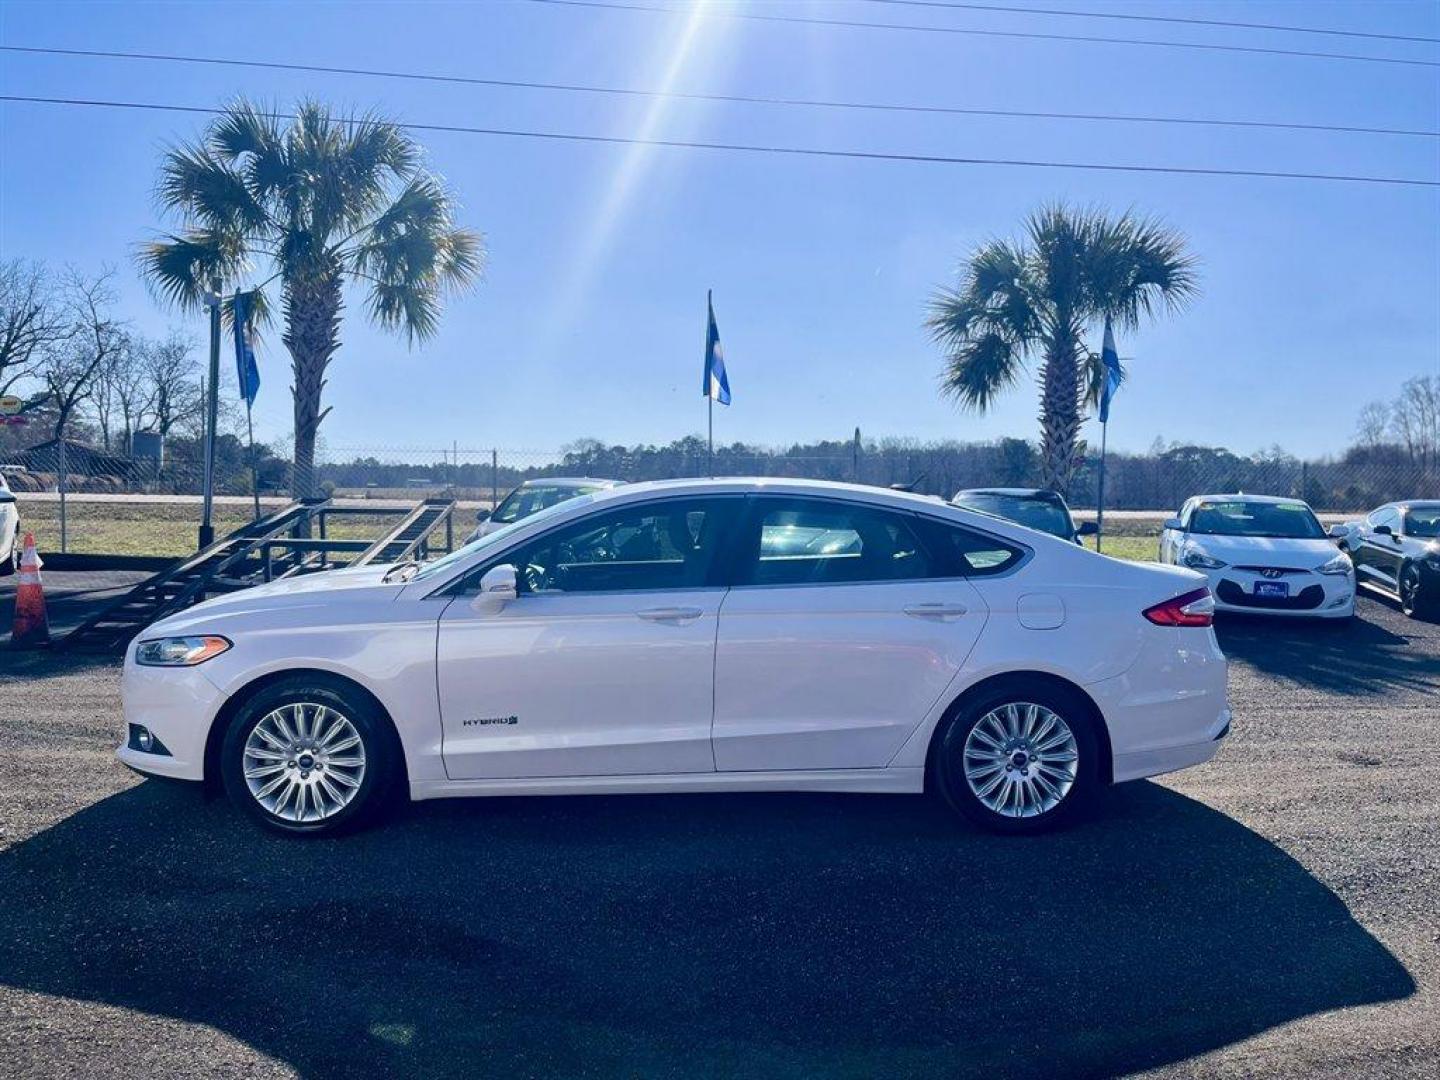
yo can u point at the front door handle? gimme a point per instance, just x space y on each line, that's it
936 611
670 614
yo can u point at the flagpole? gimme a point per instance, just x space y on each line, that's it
254 469
1100 502
710 419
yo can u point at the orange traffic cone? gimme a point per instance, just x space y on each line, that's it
32 628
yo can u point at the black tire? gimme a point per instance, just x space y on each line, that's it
948 769
376 778
1419 592
11 562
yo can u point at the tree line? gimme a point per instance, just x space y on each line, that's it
80 371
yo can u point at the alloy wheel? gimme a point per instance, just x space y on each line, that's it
1410 590
1021 760
304 762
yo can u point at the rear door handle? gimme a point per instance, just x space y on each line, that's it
936 611
670 614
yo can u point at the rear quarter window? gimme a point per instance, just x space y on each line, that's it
968 553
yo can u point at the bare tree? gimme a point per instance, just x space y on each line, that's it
1416 415
68 366
30 320
118 392
1372 424
170 380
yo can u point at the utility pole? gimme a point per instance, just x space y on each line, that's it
212 415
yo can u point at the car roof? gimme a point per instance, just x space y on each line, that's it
1012 492
570 481
1240 496
1411 504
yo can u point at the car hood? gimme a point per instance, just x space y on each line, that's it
328 588
1265 550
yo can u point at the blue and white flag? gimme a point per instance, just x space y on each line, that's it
1113 374
717 386
246 370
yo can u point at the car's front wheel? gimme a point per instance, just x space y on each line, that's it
308 756
1018 760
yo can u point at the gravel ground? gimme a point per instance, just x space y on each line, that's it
1273 913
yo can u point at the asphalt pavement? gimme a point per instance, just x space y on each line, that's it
1272 913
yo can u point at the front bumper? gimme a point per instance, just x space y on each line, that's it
177 705
1310 595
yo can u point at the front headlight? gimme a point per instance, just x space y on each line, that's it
1196 559
1340 564
179 651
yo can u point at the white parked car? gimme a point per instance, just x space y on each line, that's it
533 496
9 529
698 635
1261 555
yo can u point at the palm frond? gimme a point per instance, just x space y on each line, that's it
206 192
980 369
411 306
180 268
1095 378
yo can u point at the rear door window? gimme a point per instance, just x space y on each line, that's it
827 542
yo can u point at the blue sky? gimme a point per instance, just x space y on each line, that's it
1317 296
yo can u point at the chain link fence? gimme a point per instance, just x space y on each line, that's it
79 498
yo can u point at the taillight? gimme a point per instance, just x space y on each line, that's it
1195 608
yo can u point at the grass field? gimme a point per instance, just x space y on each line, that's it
1134 548
119 528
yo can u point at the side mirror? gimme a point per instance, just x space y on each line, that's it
482 516
498 583
1337 532
1174 523
6 497
1384 530
1087 528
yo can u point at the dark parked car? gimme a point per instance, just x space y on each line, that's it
1396 550
1034 508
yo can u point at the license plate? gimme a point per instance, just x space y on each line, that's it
1274 589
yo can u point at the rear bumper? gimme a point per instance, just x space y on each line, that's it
1170 710
1164 759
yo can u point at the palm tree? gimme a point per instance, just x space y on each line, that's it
316 204
1035 300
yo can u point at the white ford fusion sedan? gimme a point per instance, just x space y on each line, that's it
699 635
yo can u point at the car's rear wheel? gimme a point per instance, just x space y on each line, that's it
309 757
1018 760
1418 597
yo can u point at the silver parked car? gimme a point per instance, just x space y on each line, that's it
535 495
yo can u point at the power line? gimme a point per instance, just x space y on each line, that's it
467 80
612 5
952 4
793 151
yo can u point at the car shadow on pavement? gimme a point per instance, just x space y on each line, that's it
1356 657
689 935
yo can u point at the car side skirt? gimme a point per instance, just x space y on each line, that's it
894 781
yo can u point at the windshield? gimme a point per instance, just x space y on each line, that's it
1278 521
493 539
1040 514
1423 521
524 501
